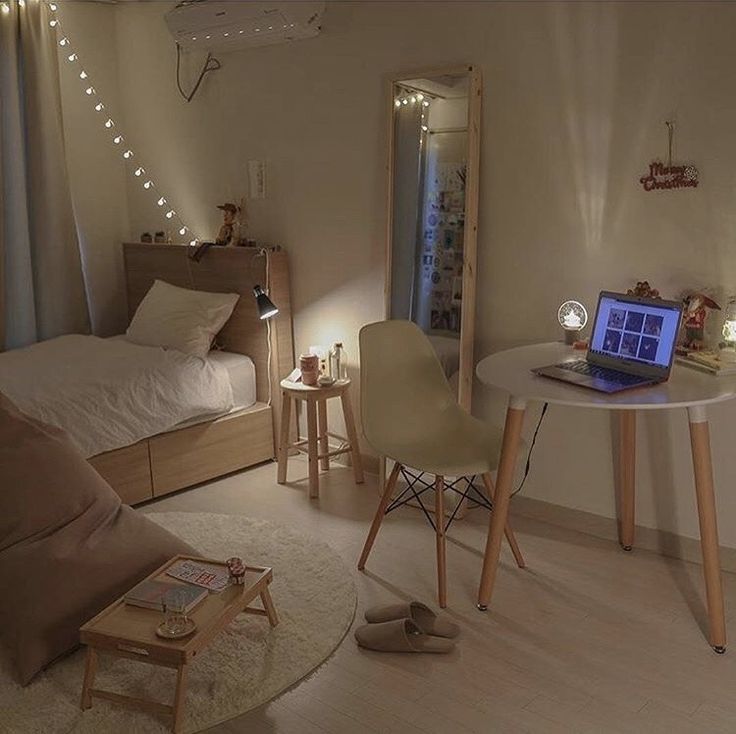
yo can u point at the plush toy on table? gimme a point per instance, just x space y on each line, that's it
693 319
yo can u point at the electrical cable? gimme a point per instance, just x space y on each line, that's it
531 449
210 64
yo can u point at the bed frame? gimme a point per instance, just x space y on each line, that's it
194 454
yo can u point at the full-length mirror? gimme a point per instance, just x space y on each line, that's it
433 203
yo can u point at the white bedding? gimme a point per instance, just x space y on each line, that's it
109 393
242 374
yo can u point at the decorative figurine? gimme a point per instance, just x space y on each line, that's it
236 567
229 233
159 237
572 317
146 237
643 290
696 305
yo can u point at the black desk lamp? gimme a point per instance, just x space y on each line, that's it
264 304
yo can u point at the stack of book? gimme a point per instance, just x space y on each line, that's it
708 362
159 595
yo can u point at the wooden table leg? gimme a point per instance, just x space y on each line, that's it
388 490
312 449
703 471
439 521
267 601
504 487
324 444
347 410
284 439
508 532
627 476
90 670
179 695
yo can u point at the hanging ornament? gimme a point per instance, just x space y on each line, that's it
669 176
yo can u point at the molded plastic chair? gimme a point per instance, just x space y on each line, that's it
410 415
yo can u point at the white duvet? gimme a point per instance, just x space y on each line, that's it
109 393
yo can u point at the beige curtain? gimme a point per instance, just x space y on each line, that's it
42 292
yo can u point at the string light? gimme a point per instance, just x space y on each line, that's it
22 3
99 106
5 8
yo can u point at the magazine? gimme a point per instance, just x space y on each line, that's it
210 576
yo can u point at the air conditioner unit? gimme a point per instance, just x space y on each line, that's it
210 25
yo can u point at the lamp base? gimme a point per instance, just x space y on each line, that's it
571 336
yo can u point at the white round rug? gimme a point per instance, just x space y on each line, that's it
246 666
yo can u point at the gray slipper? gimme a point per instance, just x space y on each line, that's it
417 612
400 635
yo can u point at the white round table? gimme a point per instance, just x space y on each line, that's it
687 388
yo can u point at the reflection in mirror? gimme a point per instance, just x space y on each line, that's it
427 231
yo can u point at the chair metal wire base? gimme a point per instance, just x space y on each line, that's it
414 478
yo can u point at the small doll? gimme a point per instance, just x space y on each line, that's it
696 312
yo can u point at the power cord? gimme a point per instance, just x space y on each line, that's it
210 64
531 449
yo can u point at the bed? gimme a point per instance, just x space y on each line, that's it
153 421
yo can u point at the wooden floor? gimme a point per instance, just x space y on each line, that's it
586 639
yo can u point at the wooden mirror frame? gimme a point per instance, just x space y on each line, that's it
470 239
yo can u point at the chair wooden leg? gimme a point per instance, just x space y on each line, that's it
312 449
627 477
284 438
703 470
347 410
380 512
324 444
508 532
439 521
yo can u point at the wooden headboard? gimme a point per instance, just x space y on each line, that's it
226 270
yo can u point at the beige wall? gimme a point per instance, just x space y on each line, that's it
575 98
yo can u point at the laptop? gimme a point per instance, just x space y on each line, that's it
632 345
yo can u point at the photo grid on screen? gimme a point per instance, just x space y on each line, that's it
632 333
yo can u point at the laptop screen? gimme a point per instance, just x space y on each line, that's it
635 330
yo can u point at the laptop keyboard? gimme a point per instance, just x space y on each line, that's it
582 367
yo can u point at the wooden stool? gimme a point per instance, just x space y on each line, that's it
317 441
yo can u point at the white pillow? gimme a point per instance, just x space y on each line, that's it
181 319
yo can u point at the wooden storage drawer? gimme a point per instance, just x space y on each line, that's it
127 471
192 455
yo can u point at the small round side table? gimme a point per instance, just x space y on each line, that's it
317 441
